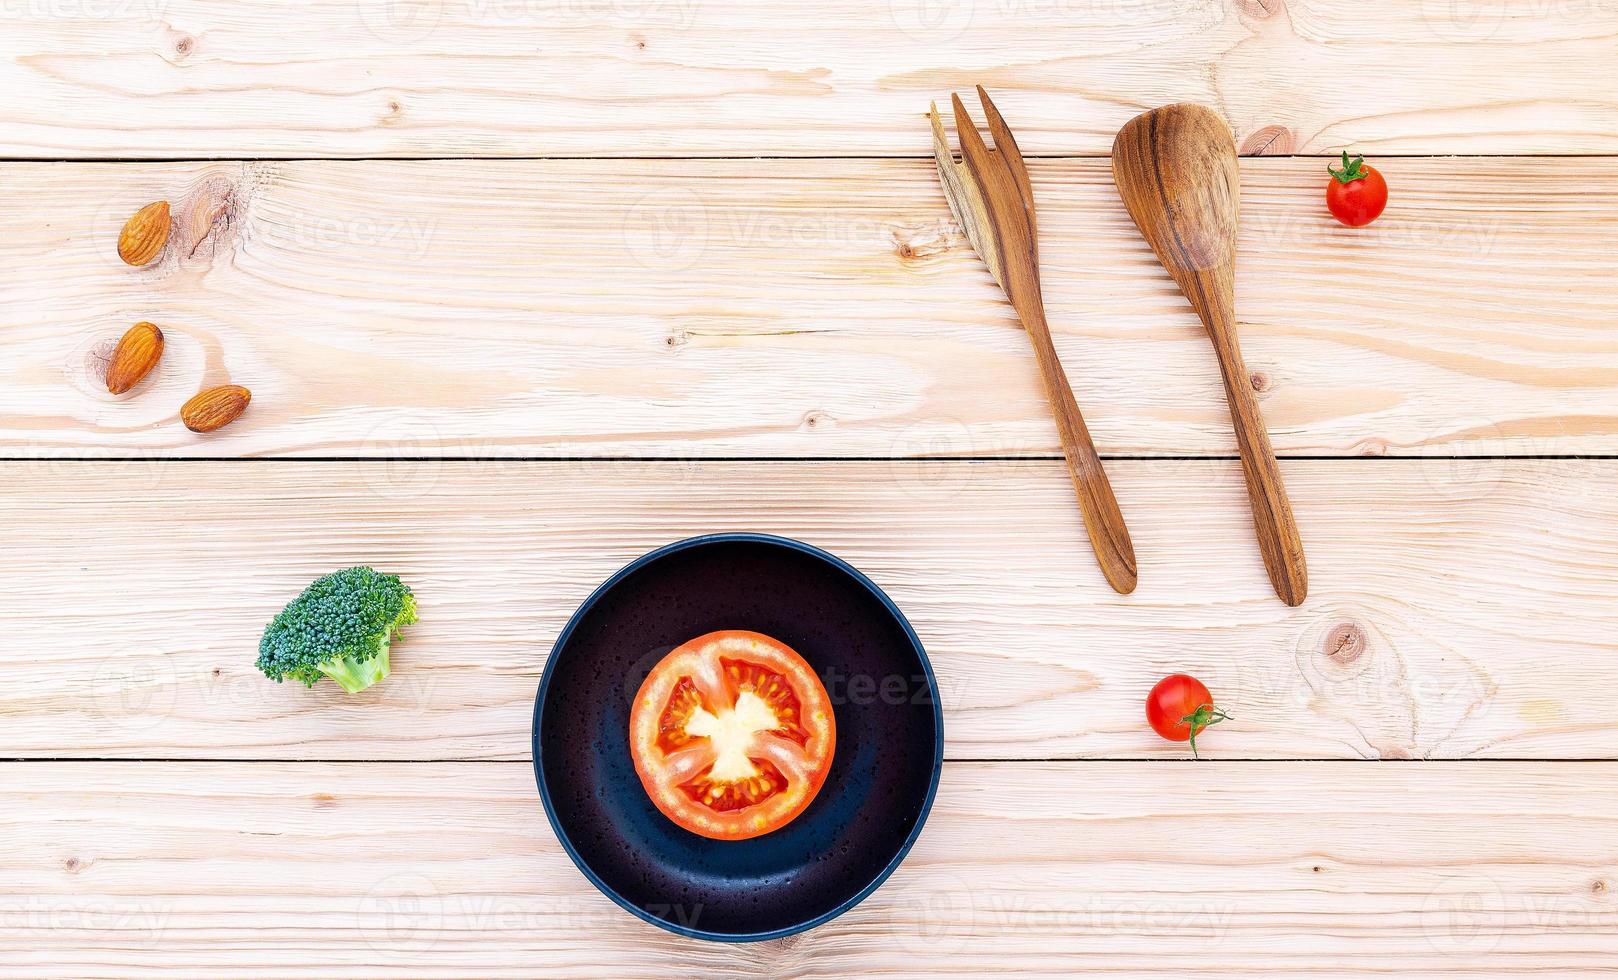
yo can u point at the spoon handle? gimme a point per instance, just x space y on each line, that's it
1277 532
1103 521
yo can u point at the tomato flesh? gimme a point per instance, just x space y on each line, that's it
732 735
725 796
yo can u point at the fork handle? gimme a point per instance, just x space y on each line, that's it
1102 519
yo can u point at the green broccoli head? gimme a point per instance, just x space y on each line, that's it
340 627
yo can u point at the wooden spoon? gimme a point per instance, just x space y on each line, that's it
1176 170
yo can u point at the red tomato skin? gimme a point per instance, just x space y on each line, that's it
1172 700
1358 202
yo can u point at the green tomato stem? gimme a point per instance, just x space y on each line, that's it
1351 171
1200 719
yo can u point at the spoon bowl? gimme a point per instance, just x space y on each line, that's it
1176 170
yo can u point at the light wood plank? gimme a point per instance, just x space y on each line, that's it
1458 609
220 78
1124 870
802 308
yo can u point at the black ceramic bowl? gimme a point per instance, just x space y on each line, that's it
890 738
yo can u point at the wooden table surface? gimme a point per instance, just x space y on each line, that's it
524 290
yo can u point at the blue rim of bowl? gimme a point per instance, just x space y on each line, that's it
756 538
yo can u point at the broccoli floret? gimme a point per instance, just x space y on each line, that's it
340 627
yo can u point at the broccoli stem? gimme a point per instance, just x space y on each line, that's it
357 675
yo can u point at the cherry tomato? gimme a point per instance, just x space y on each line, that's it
1357 193
732 735
1180 707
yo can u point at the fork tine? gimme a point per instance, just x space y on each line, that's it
941 148
947 172
1006 145
964 197
966 131
986 170
985 167
979 159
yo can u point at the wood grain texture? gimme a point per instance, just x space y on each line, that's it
226 78
990 195
803 308
1461 608
1061 869
1176 172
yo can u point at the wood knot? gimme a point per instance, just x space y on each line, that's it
676 340
1599 886
1344 644
817 419
184 46
324 801
73 864
920 244
1259 9
1260 381
1373 447
786 943
207 216
97 356
638 41
1274 141
218 672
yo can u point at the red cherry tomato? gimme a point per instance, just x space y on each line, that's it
1357 193
732 735
1180 707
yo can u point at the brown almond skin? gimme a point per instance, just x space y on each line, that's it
145 234
134 357
215 408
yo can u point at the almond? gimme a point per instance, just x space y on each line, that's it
145 234
135 356
215 408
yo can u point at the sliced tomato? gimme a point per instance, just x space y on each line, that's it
732 735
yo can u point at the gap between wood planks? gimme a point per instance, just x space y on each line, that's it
1033 457
481 158
1064 759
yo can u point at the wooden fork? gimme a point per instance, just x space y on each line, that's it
993 201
